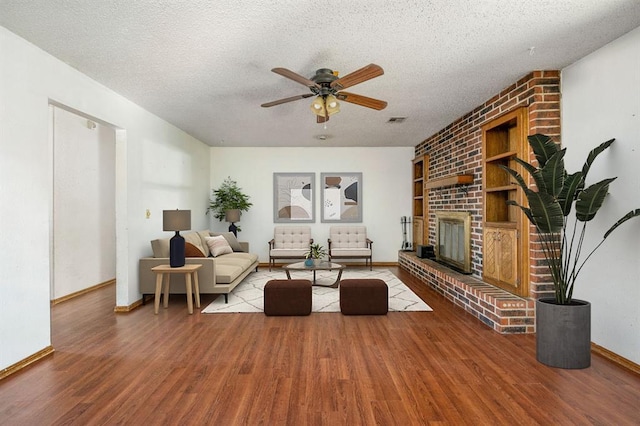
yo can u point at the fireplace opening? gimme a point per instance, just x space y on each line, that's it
453 240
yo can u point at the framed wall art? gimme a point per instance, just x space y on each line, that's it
294 197
341 197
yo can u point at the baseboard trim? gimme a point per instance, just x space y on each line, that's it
81 292
125 309
615 358
26 362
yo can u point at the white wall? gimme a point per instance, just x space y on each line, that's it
84 212
386 189
157 167
600 101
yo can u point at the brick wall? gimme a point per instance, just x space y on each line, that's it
457 149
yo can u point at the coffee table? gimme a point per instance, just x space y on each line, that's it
322 266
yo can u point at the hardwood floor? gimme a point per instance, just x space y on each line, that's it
415 368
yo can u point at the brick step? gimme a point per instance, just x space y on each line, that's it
502 311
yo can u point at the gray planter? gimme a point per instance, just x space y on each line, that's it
563 333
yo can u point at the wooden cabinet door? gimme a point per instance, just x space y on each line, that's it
508 258
418 232
491 247
500 257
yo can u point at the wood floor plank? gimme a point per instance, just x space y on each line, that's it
442 368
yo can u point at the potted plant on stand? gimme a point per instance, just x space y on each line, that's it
315 254
563 324
228 203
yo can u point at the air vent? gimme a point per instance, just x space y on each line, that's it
397 119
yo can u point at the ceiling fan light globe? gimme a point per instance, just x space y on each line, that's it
333 106
317 106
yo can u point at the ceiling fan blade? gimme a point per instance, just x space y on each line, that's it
361 100
295 77
363 74
285 100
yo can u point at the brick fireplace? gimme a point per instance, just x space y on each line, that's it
457 149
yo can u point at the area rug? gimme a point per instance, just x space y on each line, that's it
248 296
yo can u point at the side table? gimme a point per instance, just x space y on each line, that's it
189 270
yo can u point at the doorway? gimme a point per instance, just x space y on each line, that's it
83 240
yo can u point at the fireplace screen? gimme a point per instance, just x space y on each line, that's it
453 240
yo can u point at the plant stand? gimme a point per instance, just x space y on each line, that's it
563 334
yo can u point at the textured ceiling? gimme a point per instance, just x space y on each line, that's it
205 65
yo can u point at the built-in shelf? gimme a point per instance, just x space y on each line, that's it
420 200
501 224
502 188
500 156
464 179
504 237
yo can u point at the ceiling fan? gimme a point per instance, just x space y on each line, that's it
327 87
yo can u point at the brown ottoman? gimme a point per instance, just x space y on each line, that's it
287 297
366 296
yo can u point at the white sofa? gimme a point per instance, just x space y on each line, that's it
218 275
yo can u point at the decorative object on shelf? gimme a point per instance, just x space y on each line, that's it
232 216
341 197
226 199
176 220
561 343
294 197
316 253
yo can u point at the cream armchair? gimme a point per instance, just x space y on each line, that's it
289 242
350 242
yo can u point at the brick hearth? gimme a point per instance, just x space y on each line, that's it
497 308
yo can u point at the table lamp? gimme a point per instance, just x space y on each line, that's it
232 216
176 220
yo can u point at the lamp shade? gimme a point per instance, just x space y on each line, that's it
176 220
232 215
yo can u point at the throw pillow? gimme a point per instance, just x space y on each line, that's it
192 251
218 245
231 239
203 242
160 247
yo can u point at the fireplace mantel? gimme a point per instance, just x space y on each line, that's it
464 179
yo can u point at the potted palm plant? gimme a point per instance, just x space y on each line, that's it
228 203
563 324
